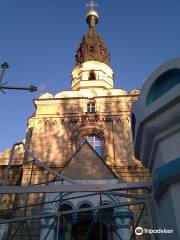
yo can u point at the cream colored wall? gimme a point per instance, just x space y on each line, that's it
58 123
80 75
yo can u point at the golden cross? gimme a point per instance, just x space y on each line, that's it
91 5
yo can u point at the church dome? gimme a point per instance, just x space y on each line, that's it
92 47
89 16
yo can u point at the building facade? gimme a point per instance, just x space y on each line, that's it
85 134
92 110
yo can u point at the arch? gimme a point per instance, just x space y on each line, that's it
91 107
108 213
164 83
92 75
85 215
107 137
87 203
106 202
65 206
110 199
63 219
59 202
133 124
89 130
82 228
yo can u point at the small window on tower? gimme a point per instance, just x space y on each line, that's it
92 75
91 48
91 107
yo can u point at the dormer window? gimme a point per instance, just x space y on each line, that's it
92 75
91 107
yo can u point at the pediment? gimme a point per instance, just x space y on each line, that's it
87 164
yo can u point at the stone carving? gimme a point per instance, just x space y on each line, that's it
89 120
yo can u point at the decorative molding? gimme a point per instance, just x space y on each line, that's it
94 119
82 99
123 119
40 122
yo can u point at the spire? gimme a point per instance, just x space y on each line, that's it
92 47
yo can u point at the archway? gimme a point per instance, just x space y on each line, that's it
89 229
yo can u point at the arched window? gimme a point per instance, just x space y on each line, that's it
92 75
95 141
85 215
64 207
91 107
63 220
84 205
87 227
163 84
107 212
133 124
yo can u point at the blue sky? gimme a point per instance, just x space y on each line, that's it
39 39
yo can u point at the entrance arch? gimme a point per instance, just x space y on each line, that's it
81 228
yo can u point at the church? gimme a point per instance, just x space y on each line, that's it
83 134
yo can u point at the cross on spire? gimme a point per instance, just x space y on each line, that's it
91 5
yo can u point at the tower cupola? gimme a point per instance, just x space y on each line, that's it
92 47
92 58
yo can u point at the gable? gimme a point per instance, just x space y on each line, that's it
87 164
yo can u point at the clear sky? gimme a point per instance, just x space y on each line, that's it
38 39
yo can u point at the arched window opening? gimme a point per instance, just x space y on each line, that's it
84 205
163 84
95 141
92 75
91 107
87 230
64 207
91 48
85 215
133 124
63 219
107 212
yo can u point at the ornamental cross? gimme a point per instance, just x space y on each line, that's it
91 5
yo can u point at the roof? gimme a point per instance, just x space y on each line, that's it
86 164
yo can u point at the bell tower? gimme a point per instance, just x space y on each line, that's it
92 68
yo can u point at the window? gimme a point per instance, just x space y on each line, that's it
63 220
91 48
65 207
95 141
107 212
85 215
133 124
163 84
92 75
91 107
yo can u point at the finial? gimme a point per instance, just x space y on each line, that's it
92 16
